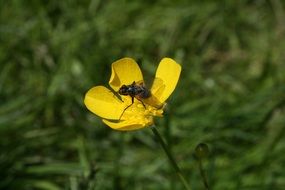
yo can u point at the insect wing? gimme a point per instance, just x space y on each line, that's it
157 87
156 92
140 83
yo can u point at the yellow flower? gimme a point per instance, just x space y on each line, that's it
104 103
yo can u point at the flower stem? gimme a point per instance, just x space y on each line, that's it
202 173
170 157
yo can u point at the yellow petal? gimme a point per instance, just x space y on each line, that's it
167 75
124 72
102 102
123 126
157 90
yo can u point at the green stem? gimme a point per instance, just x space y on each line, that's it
170 157
202 172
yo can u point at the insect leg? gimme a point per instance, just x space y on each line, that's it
142 103
116 95
126 108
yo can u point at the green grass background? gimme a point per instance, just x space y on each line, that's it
231 94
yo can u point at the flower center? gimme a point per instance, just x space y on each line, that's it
140 113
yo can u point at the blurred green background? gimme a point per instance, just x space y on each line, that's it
230 95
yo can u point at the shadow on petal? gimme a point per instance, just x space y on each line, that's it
124 72
102 102
123 125
167 76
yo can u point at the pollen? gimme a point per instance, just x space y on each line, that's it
142 114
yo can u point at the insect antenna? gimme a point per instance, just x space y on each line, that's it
116 94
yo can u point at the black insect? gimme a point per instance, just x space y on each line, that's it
135 90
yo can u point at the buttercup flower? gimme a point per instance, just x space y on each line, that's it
112 107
